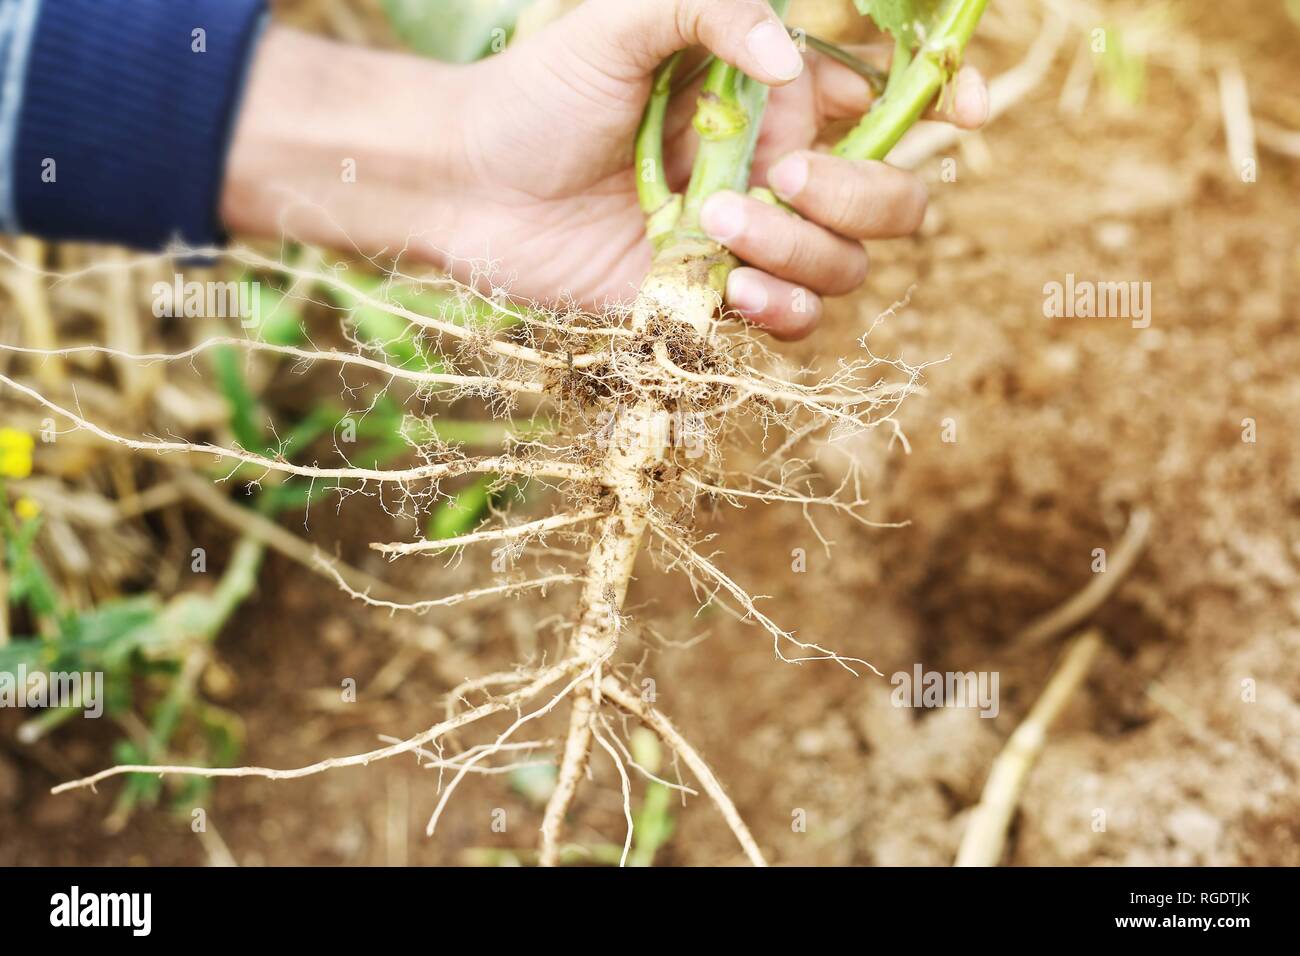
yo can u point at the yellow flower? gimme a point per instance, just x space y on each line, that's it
15 453
27 509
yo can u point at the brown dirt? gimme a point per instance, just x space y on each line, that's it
1063 427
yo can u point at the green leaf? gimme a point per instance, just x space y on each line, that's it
459 515
470 311
535 782
28 582
104 638
31 654
395 335
107 634
1123 70
140 787
457 31
900 18
653 825
318 421
374 326
245 410
281 317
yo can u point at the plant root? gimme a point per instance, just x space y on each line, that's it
629 701
986 833
1084 604
540 682
577 752
645 399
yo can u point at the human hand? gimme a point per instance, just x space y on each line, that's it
525 159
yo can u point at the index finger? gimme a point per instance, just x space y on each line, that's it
630 38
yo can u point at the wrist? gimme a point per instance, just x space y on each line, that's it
342 146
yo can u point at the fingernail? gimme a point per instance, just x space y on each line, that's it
774 50
723 216
788 177
972 100
746 293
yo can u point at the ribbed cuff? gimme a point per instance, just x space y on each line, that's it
126 118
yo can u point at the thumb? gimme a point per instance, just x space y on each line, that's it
628 39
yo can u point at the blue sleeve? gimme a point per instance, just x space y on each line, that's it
116 116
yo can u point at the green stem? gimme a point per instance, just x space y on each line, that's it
910 93
658 202
198 619
898 66
728 118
